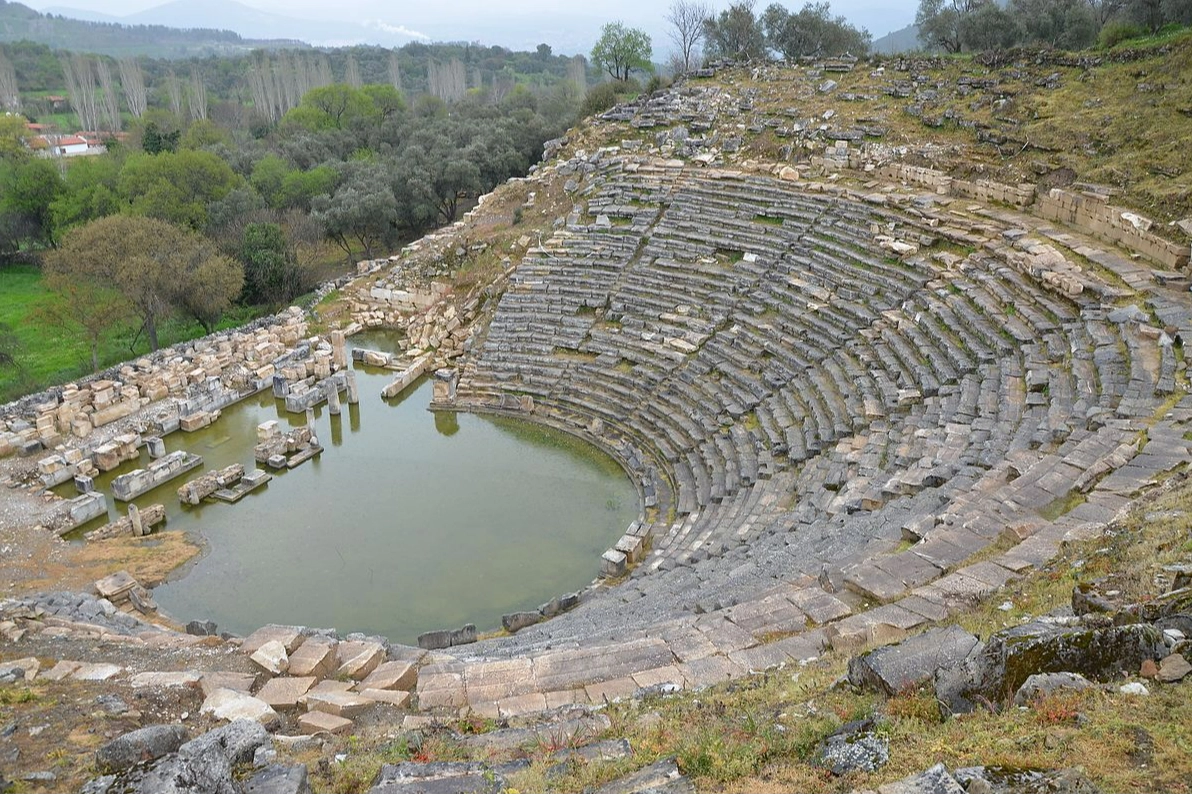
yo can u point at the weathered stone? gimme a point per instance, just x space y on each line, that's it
96 672
358 658
272 658
201 628
446 638
344 704
318 722
205 764
935 779
231 680
1037 685
278 780
892 669
136 747
316 657
396 698
662 776
512 622
25 669
853 748
152 679
1011 656
1173 668
393 675
290 637
283 692
231 705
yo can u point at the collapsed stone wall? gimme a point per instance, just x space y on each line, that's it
217 369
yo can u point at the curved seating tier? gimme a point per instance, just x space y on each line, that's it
800 404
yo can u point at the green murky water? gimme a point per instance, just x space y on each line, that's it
408 521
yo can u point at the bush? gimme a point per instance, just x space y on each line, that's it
1117 31
602 97
656 83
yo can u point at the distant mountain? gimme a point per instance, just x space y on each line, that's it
117 37
255 24
900 40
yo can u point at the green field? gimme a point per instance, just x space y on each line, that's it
48 354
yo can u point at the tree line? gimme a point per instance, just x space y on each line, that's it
971 25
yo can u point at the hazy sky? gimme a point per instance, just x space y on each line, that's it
567 26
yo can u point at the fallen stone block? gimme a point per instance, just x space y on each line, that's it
272 658
231 705
318 722
446 638
358 658
317 657
393 675
283 692
893 669
343 704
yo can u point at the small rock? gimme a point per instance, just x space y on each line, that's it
202 628
935 779
1149 669
279 779
142 745
272 658
853 747
316 722
1173 668
1134 689
1038 685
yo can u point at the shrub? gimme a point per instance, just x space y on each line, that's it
602 97
1117 31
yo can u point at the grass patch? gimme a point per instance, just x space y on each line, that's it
49 354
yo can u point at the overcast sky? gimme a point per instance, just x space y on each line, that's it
568 26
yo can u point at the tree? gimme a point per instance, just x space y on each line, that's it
736 33
989 27
942 22
175 186
109 101
686 18
1068 24
155 266
211 282
28 188
155 141
812 32
132 82
90 192
620 50
14 132
84 305
80 85
363 209
10 95
271 274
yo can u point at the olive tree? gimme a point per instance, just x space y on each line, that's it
620 50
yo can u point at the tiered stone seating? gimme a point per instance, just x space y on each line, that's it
802 404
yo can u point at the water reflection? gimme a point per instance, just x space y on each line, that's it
447 422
